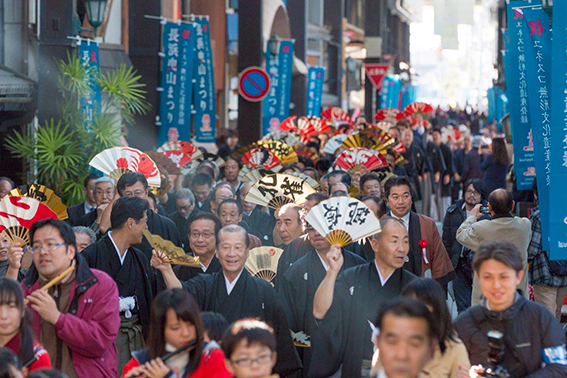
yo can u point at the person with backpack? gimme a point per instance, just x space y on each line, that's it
548 278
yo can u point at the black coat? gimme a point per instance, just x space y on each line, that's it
261 225
472 166
442 162
75 213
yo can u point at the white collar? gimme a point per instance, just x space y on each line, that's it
203 267
382 374
122 258
88 207
405 219
231 285
322 261
382 280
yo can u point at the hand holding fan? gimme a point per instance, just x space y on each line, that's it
18 214
117 161
174 254
278 189
43 195
263 262
343 220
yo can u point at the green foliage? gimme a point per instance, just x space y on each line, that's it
57 153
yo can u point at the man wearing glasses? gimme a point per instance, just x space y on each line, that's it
475 192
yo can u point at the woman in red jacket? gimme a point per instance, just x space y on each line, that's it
175 321
15 329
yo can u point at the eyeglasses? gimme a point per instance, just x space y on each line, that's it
136 193
261 360
473 193
197 235
50 247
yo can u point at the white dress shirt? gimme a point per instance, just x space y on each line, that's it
382 279
404 219
88 208
231 285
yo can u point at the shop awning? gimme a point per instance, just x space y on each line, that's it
17 92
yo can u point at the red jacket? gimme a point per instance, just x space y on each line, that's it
42 360
211 365
90 324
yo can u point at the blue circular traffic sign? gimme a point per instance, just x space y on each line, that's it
254 84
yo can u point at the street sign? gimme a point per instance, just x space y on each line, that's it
254 84
376 72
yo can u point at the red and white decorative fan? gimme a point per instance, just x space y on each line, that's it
300 126
18 214
418 108
359 158
117 161
319 124
334 143
282 136
180 152
334 114
391 115
261 157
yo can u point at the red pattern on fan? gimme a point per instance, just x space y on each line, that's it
299 126
179 152
33 211
140 163
304 151
335 114
389 115
261 157
359 157
319 124
418 108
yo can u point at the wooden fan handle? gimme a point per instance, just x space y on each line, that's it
54 281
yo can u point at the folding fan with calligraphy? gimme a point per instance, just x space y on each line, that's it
261 157
343 220
253 174
284 152
334 114
282 136
117 161
262 262
391 115
334 143
278 189
180 152
310 180
364 159
171 253
319 124
418 108
43 195
18 214
364 140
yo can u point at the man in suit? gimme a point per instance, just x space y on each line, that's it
442 161
201 188
186 209
103 194
78 211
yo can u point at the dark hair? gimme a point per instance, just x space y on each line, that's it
313 144
4 178
8 359
11 292
324 164
430 292
397 181
479 186
345 178
154 198
205 216
206 169
92 176
202 179
127 207
499 151
307 162
230 133
186 309
340 193
406 308
317 197
501 251
403 123
232 229
66 231
501 201
382 209
436 130
294 167
213 195
311 169
368 177
129 179
215 325
236 159
251 331
230 200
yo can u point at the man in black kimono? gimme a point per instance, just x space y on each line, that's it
442 161
298 285
260 222
417 167
345 304
235 294
115 255
201 187
202 231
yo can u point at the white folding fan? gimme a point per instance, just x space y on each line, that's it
256 173
117 161
282 136
310 180
278 189
334 143
263 262
343 220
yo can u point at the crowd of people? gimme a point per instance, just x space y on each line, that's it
376 307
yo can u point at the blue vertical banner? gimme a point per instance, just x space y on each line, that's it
516 84
276 104
177 84
168 105
408 95
537 47
315 90
90 104
558 199
390 93
205 102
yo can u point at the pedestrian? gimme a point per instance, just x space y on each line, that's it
186 209
88 205
175 323
230 145
230 212
103 189
495 165
532 341
201 186
370 185
441 159
231 170
85 236
6 185
215 326
472 169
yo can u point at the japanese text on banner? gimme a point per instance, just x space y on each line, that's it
91 103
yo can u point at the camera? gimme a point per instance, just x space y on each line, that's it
485 210
496 345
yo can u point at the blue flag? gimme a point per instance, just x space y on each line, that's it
558 199
315 91
177 97
516 84
537 47
205 103
390 93
276 104
90 104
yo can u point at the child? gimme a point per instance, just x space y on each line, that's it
215 326
250 349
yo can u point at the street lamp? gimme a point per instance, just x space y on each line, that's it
95 12
274 44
